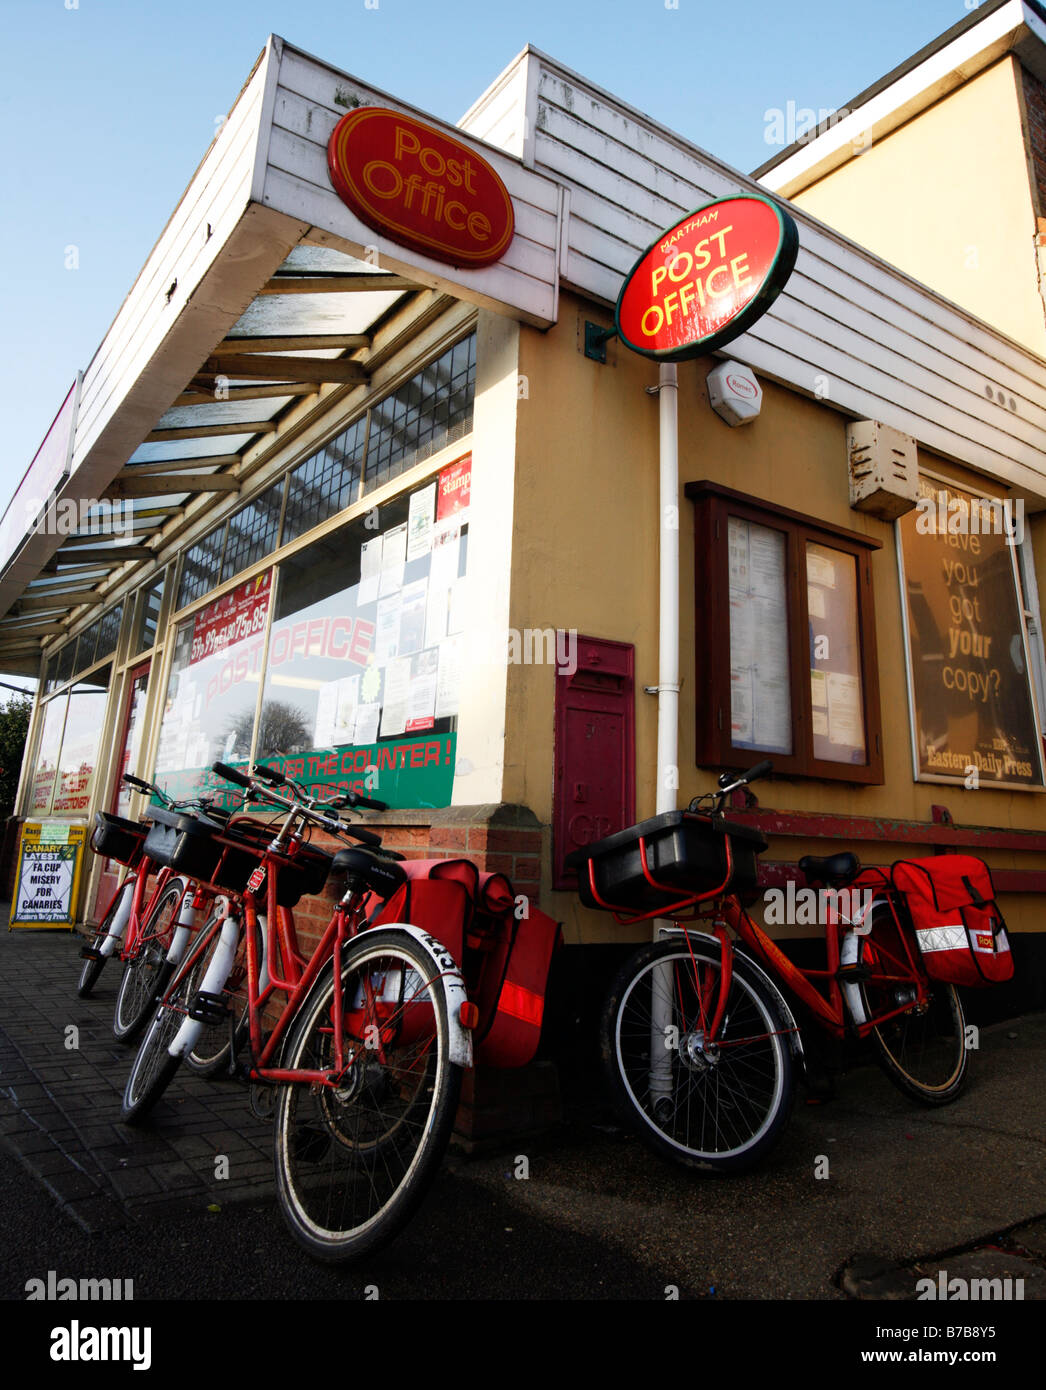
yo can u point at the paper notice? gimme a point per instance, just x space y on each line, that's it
348 697
387 633
766 560
737 554
741 720
393 560
845 725
421 703
448 679
412 617
420 517
819 689
819 569
820 723
815 601
367 717
326 710
370 571
397 694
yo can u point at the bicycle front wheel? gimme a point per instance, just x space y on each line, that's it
93 968
213 1048
720 1104
923 1049
154 1067
146 972
354 1159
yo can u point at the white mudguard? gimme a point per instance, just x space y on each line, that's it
111 945
215 976
183 931
454 991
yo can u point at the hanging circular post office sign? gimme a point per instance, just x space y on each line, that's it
706 280
420 187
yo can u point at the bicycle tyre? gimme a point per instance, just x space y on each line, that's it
353 1164
153 1067
92 969
147 971
922 1052
720 1109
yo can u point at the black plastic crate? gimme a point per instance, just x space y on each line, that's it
116 838
184 843
685 853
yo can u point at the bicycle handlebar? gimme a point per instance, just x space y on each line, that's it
325 817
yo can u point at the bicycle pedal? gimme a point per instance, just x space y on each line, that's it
90 953
847 974
208 1008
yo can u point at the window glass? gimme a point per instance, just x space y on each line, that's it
66 661
836 696
431 410
212 690
132 748
201 567
78 761
972 704
760 697
148 614
253 531
47 756
108 632
326 483
85 650
361 688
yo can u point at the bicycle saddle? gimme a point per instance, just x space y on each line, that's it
839 867
382 875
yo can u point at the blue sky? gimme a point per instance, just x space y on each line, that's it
108 105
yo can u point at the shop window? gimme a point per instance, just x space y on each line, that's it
212 689
431 410
969 657
67 751
147 615
201 567
253 532
362 680
785 641
325 484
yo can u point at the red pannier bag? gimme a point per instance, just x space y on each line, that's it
958 925
505 960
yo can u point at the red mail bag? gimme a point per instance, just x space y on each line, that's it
958 925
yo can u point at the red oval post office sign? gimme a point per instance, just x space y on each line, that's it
420 187
707 279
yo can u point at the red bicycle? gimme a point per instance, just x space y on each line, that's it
365 1053
699 1039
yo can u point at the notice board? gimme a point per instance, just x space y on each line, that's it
50 861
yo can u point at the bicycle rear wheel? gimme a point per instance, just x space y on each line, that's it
92 969
923 1050
145 974
154 1067
720 1105
353 1161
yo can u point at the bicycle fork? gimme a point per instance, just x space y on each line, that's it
215 976
114 937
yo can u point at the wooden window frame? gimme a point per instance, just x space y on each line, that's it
713 506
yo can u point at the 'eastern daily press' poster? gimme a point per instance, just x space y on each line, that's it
50 858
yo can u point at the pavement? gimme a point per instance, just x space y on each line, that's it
867 1194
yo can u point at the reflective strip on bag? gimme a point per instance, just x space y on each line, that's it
947 938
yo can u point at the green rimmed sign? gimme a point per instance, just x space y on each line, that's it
707 279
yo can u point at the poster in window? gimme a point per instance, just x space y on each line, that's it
760 693
973 710
836 692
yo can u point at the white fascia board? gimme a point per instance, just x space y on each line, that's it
1012 28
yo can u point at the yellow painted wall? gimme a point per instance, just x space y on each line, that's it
947 198
585 557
